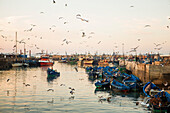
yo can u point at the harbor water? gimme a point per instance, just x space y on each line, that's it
28 90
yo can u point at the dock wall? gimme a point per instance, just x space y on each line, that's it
146 72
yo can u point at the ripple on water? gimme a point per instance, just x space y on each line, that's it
16 97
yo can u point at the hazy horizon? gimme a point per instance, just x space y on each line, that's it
91 26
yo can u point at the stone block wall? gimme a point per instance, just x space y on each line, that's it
146 72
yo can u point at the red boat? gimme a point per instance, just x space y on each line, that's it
46 61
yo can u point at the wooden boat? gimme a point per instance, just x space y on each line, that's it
63 60
103 63
46 61
16 64
157 109
131 78
88 62
153 86
119 86
88 69
133 82
103 83
162 108
52 73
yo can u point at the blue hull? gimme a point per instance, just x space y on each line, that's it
152 87
117 85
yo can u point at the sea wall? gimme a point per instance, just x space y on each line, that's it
148 72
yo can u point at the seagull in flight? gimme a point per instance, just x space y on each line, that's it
64 40
60 18
99 42
156 44
158 48
147 25
134 49
83 34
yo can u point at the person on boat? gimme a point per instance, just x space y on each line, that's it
148 88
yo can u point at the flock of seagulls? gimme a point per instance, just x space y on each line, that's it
67 42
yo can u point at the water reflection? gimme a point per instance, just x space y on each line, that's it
104 89
17 96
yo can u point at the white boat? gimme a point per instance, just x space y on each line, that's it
16 64
25 64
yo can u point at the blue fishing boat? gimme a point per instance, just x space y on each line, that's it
119 86
164 107
131 78
103 83
131 81
52 73
152 86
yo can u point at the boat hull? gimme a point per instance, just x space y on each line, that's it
17 65
52 73
46 63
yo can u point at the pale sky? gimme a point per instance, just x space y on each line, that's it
132 22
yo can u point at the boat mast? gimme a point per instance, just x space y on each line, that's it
16 45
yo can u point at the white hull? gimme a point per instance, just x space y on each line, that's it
17 65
